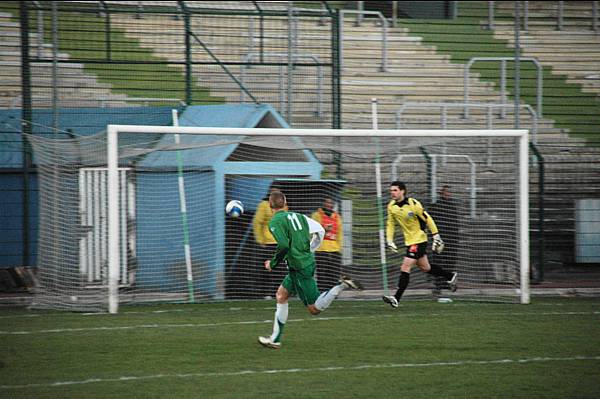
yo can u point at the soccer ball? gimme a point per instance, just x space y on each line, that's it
234 208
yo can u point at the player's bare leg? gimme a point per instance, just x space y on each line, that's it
281 315
325 299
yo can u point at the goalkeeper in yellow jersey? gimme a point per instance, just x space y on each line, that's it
409 214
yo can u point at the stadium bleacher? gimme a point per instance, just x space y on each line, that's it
417 71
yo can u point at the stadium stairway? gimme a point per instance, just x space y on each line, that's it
573 51
572 164
76 88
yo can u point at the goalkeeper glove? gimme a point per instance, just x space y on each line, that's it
438 244
392 246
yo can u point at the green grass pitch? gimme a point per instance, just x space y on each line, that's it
423 349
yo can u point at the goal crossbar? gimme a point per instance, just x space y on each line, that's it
113 132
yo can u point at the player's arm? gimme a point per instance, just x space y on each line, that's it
283 243
430 223
420 212
317 233
390 229
438 244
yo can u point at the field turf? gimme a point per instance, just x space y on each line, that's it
423 349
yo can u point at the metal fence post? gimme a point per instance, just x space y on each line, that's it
359 16
466 88
188 55
542 209
517 66
140 10
489 126
281 91
559 17
108 35
290 66
444 117
539 94
489 121
595 16
250 34
336 48
261 43
340 36
40 32
25 123
503 88
385 45
490 15
429 169
55 83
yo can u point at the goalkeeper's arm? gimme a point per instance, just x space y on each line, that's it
389 232
391 246
438 244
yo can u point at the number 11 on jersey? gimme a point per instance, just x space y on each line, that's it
293 218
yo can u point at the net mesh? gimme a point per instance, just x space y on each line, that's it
177 244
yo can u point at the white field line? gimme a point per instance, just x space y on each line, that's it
205 310
199 325
306 370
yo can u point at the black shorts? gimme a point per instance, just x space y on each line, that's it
416 251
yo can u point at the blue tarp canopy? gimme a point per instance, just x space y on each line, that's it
78 121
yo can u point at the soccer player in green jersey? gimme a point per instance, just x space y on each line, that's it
297 238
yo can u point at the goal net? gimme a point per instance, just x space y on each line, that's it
137 214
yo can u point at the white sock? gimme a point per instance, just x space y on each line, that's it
325 299
281 315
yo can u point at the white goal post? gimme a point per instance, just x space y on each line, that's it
114 131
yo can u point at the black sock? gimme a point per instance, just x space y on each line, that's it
402 284
438 271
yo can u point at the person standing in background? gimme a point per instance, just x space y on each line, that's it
445 213
329 254
265 283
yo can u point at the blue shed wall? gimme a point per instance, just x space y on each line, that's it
11 219
80 121
160 251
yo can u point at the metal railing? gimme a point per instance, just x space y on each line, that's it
560 15
384 35
433 175
489 106
489 120
319 103
144 100
104 101
503 91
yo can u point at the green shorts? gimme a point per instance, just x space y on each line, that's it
303 284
